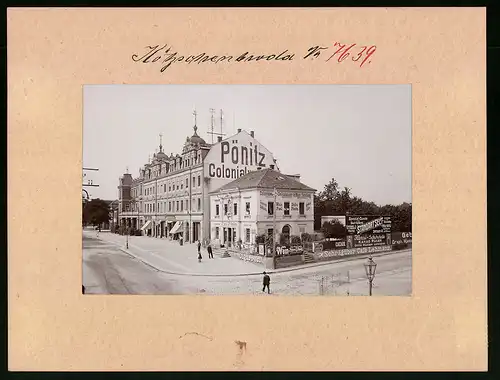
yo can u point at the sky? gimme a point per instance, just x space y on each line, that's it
358 134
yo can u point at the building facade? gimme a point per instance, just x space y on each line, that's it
264 201
170 197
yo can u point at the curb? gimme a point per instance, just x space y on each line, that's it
276 271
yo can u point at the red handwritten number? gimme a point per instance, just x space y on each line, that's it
346 53
369 53
339 49
359 54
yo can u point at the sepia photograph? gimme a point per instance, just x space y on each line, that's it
266 190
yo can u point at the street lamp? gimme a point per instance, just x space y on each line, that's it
222 198
370 267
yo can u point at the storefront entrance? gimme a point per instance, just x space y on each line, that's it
286 233
229 236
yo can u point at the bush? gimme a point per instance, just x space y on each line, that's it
306 237
295 240
260 239
334 230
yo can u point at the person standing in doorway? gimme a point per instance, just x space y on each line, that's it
199 252
265 282
209 250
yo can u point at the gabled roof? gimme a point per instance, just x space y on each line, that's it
265 179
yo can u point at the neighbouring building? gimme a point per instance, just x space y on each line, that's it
170 198
264 201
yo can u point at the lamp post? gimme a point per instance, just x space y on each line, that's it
222 198
275 193
370 267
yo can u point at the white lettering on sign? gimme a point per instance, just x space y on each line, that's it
370 225
236 156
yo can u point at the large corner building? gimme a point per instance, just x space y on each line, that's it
173 193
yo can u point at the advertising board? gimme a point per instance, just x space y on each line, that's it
400 238
372 224
236 156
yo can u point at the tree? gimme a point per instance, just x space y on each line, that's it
330 192
96 212
334 229
333 201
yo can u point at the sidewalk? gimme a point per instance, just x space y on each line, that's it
169 257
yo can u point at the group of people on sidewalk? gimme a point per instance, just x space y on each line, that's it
209 250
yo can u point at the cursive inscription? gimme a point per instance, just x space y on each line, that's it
165 56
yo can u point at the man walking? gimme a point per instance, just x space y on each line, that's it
199 252
266 281
210 253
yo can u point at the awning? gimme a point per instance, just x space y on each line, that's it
145 225
175 228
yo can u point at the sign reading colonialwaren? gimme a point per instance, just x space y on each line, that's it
236 156
372 224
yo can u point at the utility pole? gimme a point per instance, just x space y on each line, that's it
274 227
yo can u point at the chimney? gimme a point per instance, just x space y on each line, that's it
252 134
271 166
239 130
219 138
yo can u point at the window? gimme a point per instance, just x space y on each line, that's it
301 208
302 230
236 209
286 207
187 183
270 232
187 208
182 206
199 204
177 206
270 208
169 188
217 212
165 188
194 182
153 207
247 208
217 232
247 235
225 209
182 186
169 206
199 181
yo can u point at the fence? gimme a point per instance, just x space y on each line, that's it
331 285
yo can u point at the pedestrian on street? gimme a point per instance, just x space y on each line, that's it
199 252
210 254
266 281
98 230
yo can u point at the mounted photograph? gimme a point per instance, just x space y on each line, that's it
262 190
